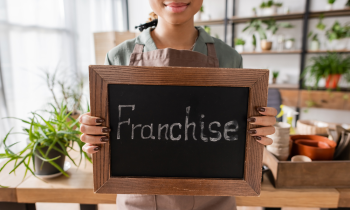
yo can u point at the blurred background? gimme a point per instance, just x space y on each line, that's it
46 47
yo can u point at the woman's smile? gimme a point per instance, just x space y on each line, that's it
176 7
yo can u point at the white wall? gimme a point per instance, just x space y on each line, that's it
287 64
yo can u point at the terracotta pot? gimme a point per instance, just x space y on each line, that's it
265 45
332 81
274 80
313 146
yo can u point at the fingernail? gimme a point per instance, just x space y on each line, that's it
96 148
104 139
99 120
106 130
252 119
260 109
252 131
258 138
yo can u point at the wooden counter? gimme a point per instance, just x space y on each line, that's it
78 189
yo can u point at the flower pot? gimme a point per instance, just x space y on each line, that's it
47 168
315 147
274 80
269 11
338 44
329 7
314 46
332 81
239 48
312 127
289 44
265 45
280 145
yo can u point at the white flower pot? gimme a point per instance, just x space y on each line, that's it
288 45
338 44
329 6
269 11
314 46
239 48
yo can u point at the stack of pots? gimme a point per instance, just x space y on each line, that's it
280 146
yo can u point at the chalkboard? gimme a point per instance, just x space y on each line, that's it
178 130
174 150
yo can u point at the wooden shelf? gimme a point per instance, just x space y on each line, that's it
271 52
326 51
291 16
209 22
330 13
284 86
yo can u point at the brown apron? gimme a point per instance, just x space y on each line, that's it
184 58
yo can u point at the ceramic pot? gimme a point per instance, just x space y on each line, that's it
329 7
301 158
274 80
281 143
269 11
239 48
313 146
47 168
338 44
314 46
332 81
288 45
265 45
312 127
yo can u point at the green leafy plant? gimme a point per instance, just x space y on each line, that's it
313 36
59 132
201 9
324 66
256 25
274 26
347 3
207 29
338 32
239 41
254 41
269 4
331 1
275 74
320 25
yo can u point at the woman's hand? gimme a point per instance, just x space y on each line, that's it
267 121
93 132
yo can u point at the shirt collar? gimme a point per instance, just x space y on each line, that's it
200 46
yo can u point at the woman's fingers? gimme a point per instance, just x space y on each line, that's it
89 148
267 111
263 120
263 140
94 130
262 131
93 139
87 119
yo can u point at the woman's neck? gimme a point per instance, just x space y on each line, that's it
180 37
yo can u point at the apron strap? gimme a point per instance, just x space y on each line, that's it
138 48
211 50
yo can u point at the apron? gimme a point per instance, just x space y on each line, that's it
183 58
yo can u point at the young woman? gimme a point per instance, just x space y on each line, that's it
174 36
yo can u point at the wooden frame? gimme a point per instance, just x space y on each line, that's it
255 79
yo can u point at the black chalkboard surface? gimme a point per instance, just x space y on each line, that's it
152 131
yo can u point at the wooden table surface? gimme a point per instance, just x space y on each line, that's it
78 189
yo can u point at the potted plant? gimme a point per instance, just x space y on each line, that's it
329 67
315 42
347 5
255 13
239 45
289 43
338 36
50 139
199 13
329 5
269 7
260 27
274 76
